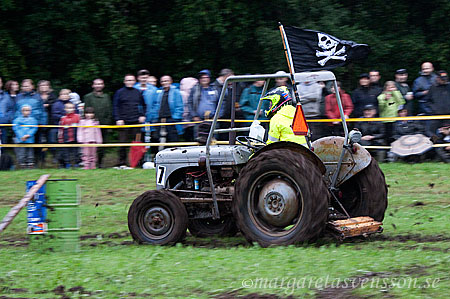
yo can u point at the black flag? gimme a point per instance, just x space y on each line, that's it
313 50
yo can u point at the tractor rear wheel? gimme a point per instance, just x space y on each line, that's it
365 194
157 217
223 227
280 199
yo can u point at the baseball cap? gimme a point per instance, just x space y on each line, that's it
225 72
143 72
204 72
369 107
364 75
401 71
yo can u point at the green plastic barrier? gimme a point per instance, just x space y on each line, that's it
63 218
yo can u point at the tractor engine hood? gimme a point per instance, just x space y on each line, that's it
190 156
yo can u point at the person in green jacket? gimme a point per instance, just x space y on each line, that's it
250 99
101 102
388 102
281 114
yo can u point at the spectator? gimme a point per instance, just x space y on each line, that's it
249 102
332 109
48 98
3 130
152 81
388 102
128 109
186 85
364 95
405 127
57 112
439 95
421 87
374 77
29 97
227 101
102 105
58 108
443 136
76 100
401 76
373 133
142 78
282 81
12 88
6 112
218 84
47 95
167 108
68 135
311 99
203 97
375 85
89 136
149 93
25 135
202 104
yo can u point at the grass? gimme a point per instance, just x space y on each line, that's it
413 248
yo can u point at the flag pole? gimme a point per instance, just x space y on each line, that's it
290 63
287 51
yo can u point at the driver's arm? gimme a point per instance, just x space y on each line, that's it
274 133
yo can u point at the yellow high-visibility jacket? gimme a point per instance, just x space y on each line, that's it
280 127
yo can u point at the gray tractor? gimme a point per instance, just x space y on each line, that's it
277 194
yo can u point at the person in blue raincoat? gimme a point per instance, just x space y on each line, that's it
167 107
25 134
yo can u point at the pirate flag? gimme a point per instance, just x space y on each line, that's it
313 50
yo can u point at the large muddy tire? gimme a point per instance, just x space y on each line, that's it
157 217
365 194
223 227
280 199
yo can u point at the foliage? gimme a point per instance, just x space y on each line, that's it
72 42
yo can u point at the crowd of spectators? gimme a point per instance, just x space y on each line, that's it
140 101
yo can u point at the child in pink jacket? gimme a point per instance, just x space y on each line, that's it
89 136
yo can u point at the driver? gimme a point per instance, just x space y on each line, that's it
281 114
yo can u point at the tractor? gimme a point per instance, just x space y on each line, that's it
278 194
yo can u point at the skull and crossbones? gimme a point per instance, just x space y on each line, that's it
329 47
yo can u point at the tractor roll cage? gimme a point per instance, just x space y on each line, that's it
295 78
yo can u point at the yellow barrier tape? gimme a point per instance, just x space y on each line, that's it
169 144
109 126
429 117
327 120
389 147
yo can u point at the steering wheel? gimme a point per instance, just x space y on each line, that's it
247 141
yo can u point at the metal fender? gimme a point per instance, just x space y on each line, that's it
302 150
329 149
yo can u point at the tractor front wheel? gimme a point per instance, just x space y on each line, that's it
157 217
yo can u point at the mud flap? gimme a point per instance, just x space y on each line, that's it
353 227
